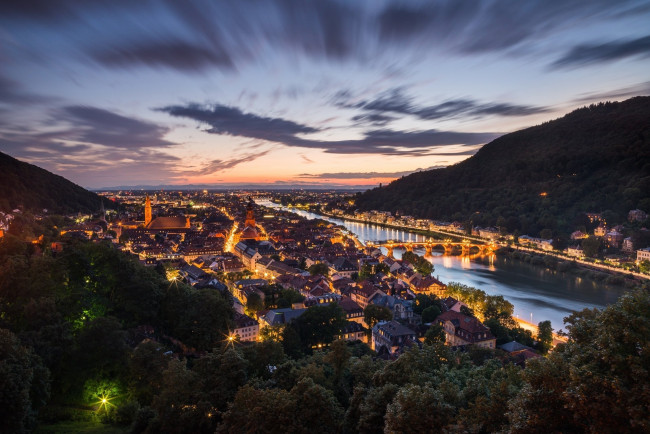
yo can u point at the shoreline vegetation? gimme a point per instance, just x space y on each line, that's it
538 258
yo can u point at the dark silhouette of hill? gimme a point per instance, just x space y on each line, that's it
26 186
593 159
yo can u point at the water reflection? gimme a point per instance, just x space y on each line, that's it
548 295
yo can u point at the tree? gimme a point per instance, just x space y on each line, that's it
418 409
498 308
319 268
307 407
205 319
272 333
466 311
597 380
339 357
289 297
366 271
25 385
544 336
146 366
435 335
421 265
319 325
373 408
644 266
430 314
373 313
591 246
382 268
546 234
422 301
254 304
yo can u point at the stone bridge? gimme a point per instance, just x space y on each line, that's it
466 247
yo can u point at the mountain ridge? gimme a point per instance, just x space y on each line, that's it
24 185
596 158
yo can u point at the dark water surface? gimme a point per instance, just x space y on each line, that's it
536 293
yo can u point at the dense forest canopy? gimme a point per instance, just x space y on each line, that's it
28 187
594 159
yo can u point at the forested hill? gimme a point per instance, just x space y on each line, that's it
594 159
32 188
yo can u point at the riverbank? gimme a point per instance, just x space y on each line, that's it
557 339
603 268
548 294
570 265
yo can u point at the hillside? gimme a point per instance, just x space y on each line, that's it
594 159
25 185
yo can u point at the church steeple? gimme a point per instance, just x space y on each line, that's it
250 215
147 211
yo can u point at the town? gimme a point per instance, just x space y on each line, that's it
275 265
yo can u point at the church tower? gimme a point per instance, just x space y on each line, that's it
250 215
147 211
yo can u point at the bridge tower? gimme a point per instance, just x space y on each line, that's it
389 247
465 246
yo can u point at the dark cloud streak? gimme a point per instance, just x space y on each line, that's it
362 175
196 35
395 101
180 55
587 54
232 121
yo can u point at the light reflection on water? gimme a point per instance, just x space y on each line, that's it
535 292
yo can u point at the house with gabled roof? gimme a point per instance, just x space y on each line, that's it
461 330
393 337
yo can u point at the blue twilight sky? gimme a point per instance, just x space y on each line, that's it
125 92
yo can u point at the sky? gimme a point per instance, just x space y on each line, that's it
296 92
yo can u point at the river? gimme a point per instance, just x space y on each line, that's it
536 293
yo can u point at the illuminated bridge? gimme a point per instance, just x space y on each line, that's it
466 247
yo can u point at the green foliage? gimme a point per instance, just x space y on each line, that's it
484 306
288 297
373 313
591 246
254 304
595 158
318 325
423 301
307 407
435 335
598 379
430 314
319 268
644 266
417 409
544 336
421 265
24 384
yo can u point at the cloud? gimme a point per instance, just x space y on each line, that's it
376 119
232 121
219 165
586 54
362 175
180 55
639 89
200 35
103 127
91 146
12 93
395 101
